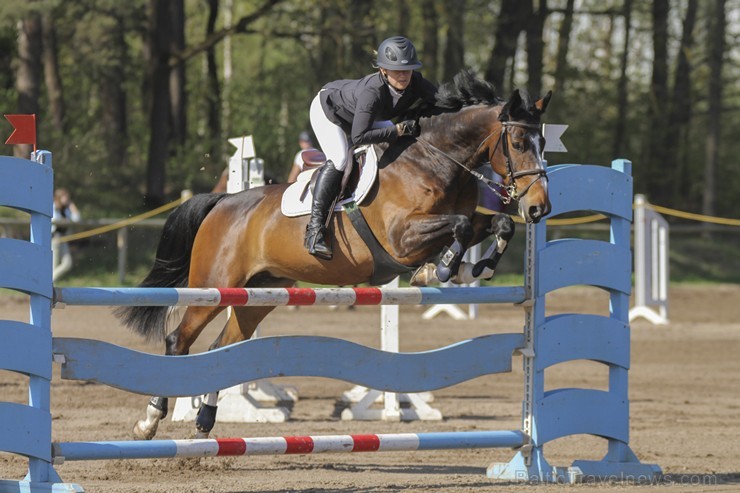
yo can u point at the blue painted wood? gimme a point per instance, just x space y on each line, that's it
471 439
26 185
565 412
571 262
26 267
25 430
267 357
575 188
571 336
25 348
116 296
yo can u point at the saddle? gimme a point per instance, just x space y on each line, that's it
356 183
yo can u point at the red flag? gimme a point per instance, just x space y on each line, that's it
24 129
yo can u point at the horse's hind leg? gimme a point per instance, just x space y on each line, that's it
240 326
177 344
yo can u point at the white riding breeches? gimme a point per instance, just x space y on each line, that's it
331 137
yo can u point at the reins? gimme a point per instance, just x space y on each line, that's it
508 192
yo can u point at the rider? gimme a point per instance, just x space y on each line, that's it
356 112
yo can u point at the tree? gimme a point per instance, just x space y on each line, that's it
535 46
404 17
618 147
112 74
178 94
28 76
716 54
659 178
51 71
430 39
158 46
679 114
212 94
454 59
510 22
362 36
561 66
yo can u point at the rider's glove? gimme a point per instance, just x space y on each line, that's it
409 127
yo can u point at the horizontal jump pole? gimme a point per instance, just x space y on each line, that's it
156 449
286 296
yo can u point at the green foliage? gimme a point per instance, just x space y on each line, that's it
289 53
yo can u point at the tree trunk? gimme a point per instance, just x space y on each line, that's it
226 96
327 67
159 110
660 176
716 53
213 91
28 76
561 67
454 59
178 94
51 71
618 148
509 24
362 42
680 109
114 117
430 39
535 47
404 17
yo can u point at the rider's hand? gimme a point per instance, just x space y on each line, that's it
408 127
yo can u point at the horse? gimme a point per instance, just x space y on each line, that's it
423 201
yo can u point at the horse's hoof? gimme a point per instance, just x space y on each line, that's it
142 432
201 434
424 275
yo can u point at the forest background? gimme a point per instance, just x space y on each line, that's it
136 99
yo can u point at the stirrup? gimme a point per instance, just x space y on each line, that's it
311 243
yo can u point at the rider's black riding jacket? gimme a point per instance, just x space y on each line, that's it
356 104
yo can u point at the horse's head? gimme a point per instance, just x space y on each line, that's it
517 154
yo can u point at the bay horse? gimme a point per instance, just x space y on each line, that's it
424 200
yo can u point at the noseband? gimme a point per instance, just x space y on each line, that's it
509 191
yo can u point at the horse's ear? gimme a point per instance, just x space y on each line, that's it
514 102
541 105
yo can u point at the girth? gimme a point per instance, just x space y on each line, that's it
385 267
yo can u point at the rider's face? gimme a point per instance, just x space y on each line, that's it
399 79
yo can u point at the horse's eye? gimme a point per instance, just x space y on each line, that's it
518 146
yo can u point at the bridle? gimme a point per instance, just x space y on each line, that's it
505 192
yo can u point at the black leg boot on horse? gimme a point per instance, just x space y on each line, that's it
326 190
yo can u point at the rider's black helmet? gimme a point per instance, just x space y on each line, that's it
397 53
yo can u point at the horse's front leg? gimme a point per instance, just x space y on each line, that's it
412 240
449 263
501 227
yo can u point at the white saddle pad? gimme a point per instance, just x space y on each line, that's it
297 198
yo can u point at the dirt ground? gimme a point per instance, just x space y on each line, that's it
684 393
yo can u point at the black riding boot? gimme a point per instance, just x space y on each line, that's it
327 187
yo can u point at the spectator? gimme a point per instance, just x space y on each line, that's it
305 142
64 210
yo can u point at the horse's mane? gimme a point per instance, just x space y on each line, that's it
466 89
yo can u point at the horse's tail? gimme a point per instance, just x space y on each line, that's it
171 265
